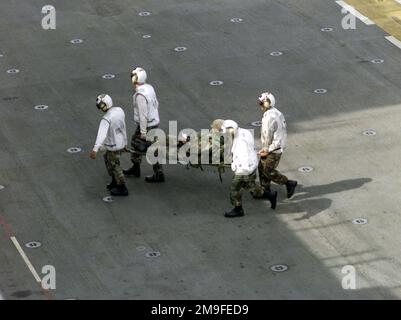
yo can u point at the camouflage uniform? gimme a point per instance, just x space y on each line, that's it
136 158
112 161
268 171
247 182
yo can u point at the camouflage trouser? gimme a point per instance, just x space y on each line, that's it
137 158
112 161
268 171
244 182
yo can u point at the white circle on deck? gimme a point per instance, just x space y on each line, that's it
2 187
41 107
369 132
146 36
141 248
74 150
377 61
236 20
33 244
12 71
276 53
108 76
279 268
320 91
216 83
144 14
76 41
257 123
305 169
152 254
327 29
108 199
1 55
180 49
360 221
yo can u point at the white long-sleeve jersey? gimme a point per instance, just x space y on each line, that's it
274 131
245 158
146 107
112 133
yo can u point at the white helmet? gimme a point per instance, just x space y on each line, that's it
104 102
267 96
138 75
229 124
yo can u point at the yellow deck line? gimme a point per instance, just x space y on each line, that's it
384 13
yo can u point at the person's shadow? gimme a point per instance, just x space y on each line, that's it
300 202
338 186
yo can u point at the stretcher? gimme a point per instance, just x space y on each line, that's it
140 147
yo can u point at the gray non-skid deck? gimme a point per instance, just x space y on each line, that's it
99 249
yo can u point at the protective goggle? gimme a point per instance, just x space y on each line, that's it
134 74
100 104
262 101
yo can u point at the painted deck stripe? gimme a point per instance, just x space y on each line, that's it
26 260
355 13
394 41
7 228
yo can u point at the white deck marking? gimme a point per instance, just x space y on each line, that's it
355 12
394 40
26 260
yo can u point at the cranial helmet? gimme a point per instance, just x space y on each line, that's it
104 102
267 97
138 76
230 126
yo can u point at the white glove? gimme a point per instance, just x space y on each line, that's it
233 167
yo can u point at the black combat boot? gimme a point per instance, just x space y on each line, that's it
112 184
236 212
291 185
134 171
272 197
157 177
119 190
